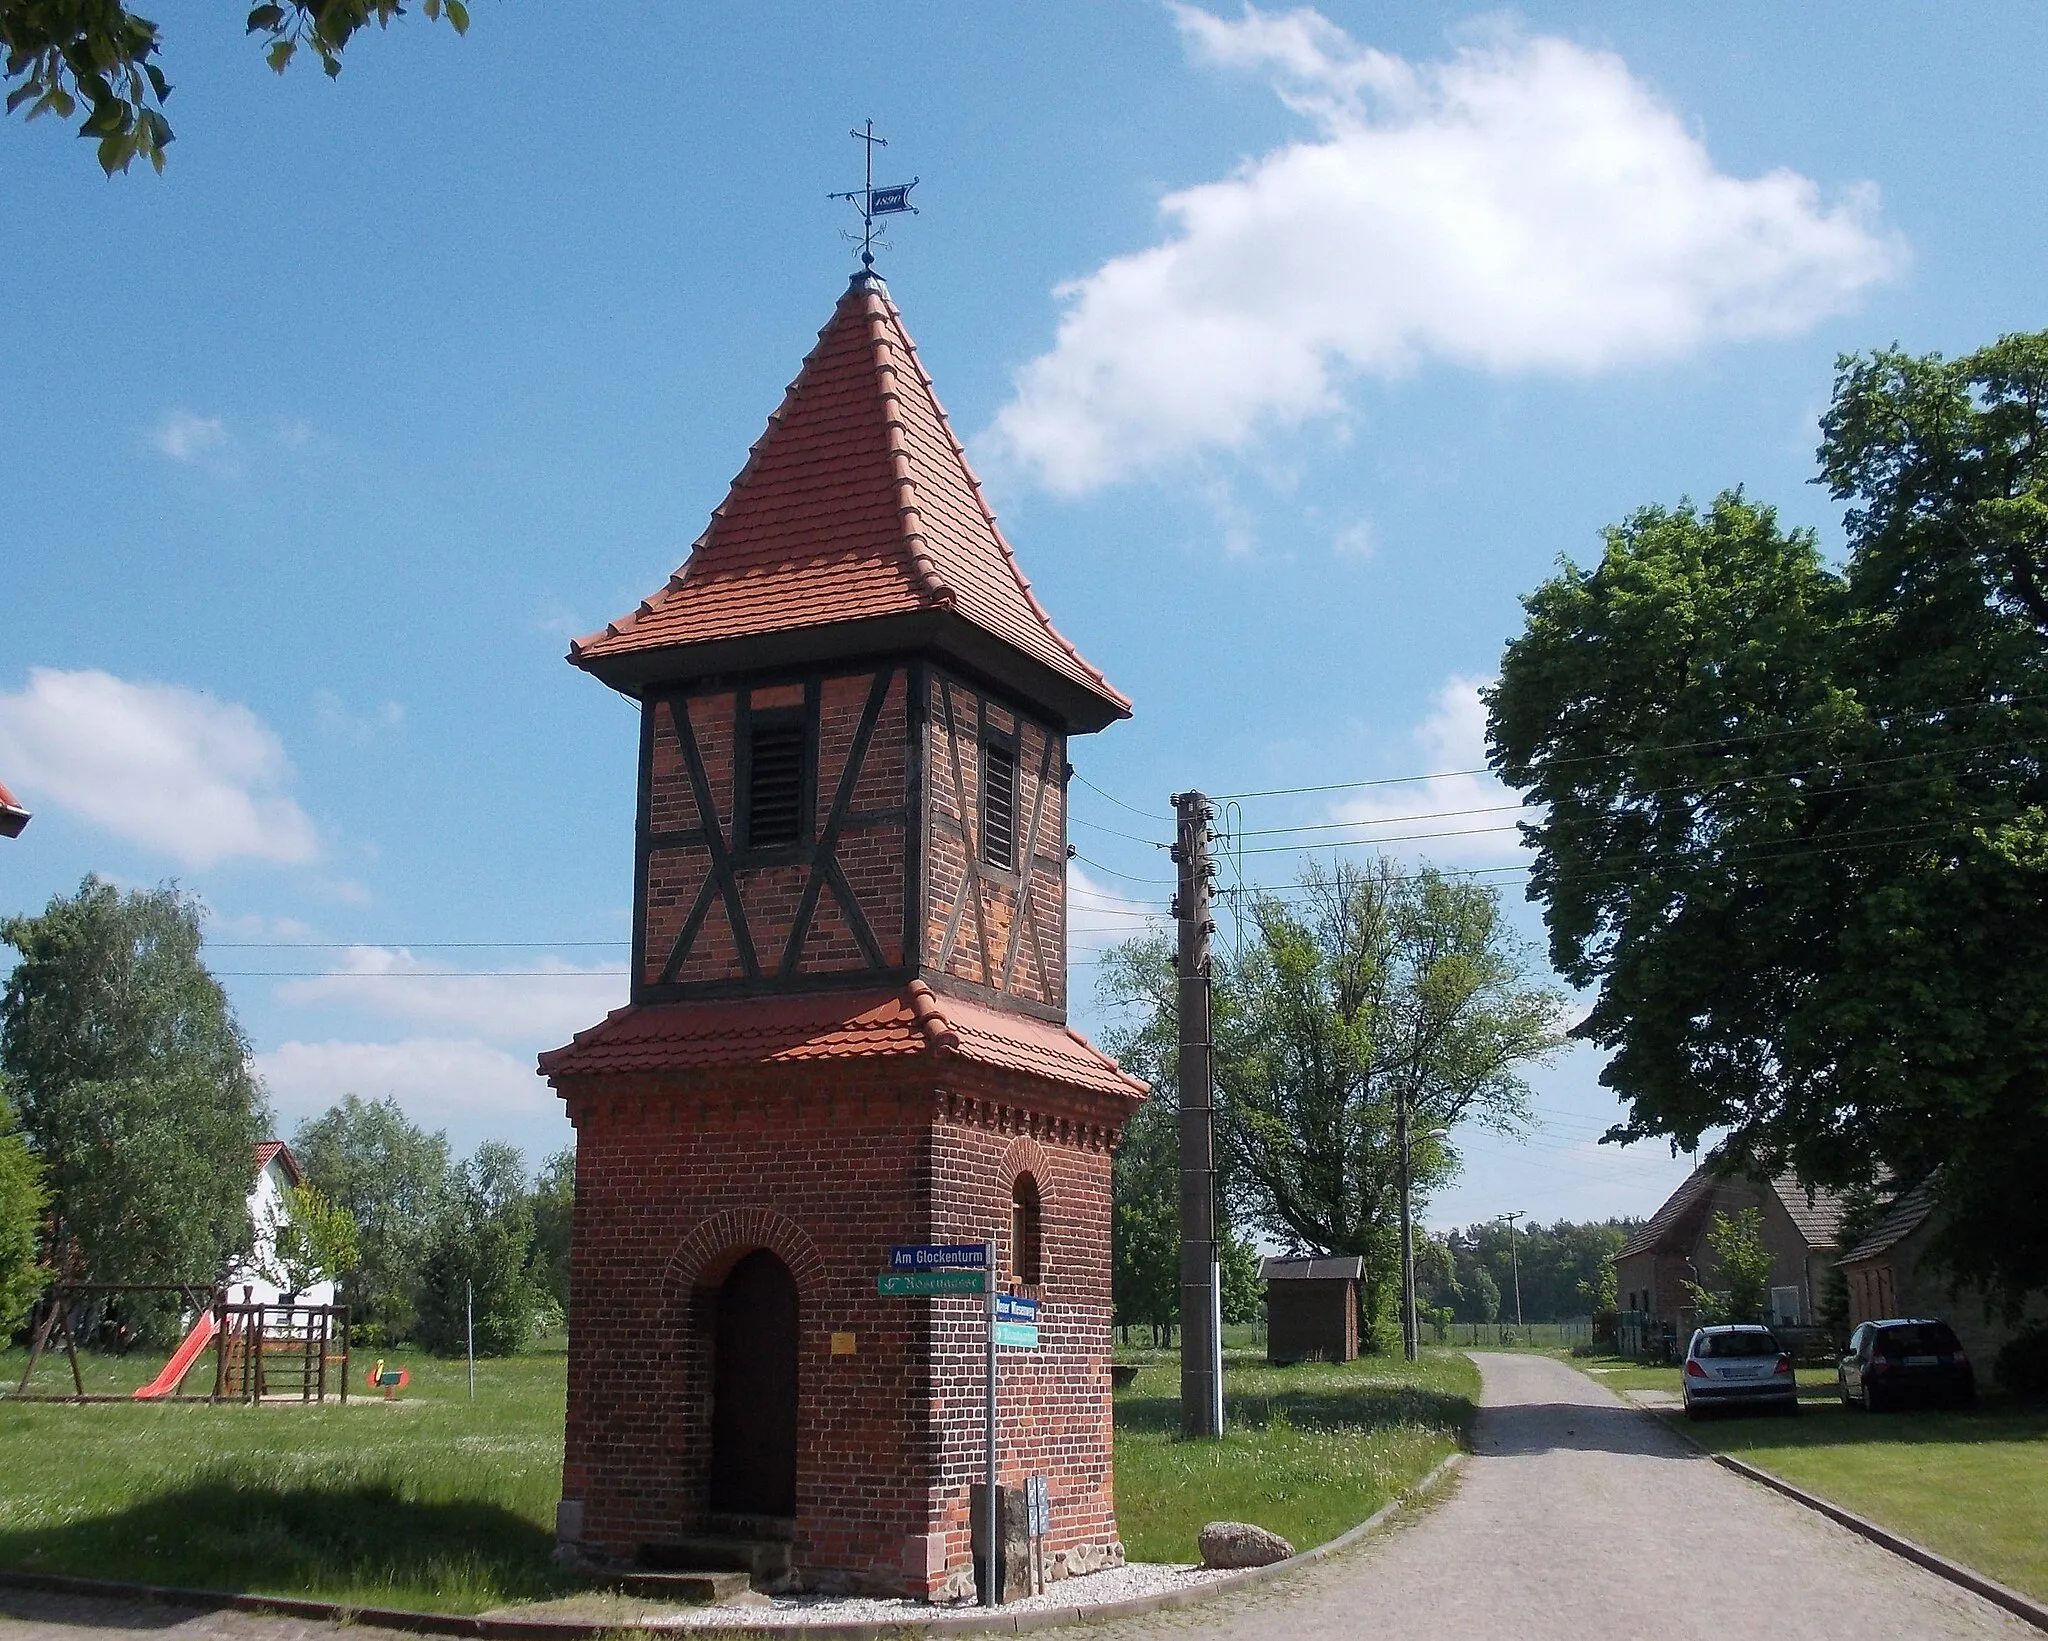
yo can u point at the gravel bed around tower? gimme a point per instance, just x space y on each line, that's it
1094 1590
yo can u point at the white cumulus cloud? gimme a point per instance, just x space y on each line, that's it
1462 816
185 436
171 769
544 1002
460 1084
1525 204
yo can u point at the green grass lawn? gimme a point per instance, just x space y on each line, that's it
441 1503
1973 1486
1625 1373
1310 1450
432 1501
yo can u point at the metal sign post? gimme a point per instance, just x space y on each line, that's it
992 1585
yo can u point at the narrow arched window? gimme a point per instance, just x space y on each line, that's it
1026 1232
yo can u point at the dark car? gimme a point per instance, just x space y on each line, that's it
1737 1365
1906 1359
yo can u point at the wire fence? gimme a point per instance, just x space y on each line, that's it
1577 1330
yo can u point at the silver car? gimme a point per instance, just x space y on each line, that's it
1739 1364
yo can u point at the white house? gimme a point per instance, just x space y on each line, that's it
277 1171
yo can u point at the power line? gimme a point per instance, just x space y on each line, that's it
419 974
1097 826
1146 814
1615 757
408 945
1128 877
1717 782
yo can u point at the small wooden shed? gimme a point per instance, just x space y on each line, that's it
1312 1309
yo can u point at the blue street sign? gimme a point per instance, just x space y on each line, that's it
1017 1335
915 1284
1013 1308
939 1256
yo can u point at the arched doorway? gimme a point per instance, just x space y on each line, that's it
753 1406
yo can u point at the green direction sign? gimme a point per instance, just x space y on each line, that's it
908 1284
1017 1335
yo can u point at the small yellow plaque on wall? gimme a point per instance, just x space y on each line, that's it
844 1344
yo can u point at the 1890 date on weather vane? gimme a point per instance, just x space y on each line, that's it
892 199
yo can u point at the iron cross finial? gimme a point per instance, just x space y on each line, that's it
874 202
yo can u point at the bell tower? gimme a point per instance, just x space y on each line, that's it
847 1019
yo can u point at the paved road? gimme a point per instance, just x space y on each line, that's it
1577 1519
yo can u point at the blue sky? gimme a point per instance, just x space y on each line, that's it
1294 348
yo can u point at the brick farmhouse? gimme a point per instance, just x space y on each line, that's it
847 1025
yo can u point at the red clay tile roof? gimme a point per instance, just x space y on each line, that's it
835 1026
267 1149
12 816
856 503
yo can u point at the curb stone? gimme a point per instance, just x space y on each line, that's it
2001 1595
544 1629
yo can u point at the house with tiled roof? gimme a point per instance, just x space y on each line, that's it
12 816
1888 1272
1800 1227
277 1172
847 1025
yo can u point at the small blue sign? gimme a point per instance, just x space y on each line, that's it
939 1256
883 201
1015 1308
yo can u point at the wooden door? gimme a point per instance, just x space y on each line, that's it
753 1410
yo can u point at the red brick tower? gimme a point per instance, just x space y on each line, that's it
847 1025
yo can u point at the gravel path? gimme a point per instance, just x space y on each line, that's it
1577 1519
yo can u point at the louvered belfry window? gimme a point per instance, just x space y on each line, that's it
998 806
775 784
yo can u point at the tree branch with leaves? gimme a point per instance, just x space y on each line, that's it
61 53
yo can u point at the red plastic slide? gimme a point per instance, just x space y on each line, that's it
181 1362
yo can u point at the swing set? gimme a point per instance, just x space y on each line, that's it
276 1353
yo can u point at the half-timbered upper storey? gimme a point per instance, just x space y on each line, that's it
854 711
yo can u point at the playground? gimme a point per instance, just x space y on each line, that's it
233 1350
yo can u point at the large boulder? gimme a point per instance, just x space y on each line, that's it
1240 1544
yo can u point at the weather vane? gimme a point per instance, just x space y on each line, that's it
874 202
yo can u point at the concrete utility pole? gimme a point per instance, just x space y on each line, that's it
1201 1342
1515 1263
1411 1333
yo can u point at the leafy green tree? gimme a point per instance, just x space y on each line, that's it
554 1212
60 53
1792 821
1742 1262
23 1276
1481 1297
311 1239
1377 986
395 1182
480 1257
133 1085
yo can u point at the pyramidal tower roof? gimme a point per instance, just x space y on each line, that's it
856 527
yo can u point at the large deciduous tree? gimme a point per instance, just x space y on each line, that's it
396 1183
23 1274
102 53
478 1267
133 1085
1372 987
1793 817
